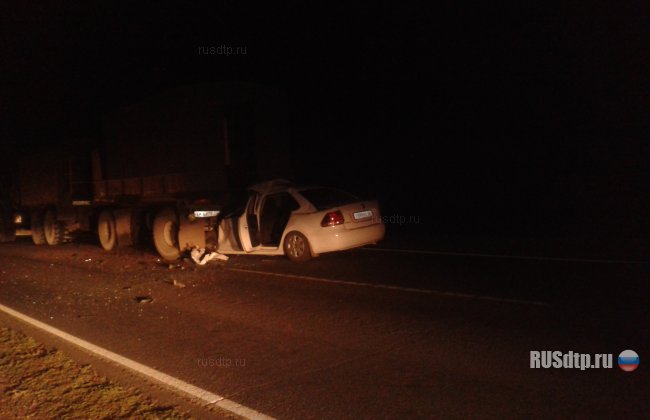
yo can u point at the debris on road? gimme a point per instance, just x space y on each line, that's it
176 283
143 299
201 257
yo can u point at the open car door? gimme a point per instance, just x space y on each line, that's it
248 224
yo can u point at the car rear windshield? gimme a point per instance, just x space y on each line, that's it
326 198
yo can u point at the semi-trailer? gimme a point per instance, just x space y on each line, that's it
165 166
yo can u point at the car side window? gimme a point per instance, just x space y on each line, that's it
281 202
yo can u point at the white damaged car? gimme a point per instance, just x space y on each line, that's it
280 218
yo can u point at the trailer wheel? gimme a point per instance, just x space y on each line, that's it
165 234
38 233
53 230
106 230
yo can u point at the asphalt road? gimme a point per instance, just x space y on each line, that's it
361 334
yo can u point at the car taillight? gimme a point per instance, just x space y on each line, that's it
332 218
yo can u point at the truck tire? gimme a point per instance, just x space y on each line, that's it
106 230
296 247
38 234
165 234
53 230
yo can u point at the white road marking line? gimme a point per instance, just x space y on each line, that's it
174 383
389 287
514 257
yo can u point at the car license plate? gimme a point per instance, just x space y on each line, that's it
362 214
205 213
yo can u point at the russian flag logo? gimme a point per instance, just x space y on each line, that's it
628 360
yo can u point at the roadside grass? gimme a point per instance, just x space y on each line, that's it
44 383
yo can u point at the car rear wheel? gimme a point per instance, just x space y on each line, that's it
165 234
296 247
106 230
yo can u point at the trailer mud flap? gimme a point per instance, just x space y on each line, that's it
126 227
191 234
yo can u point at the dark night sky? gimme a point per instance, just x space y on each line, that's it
512 116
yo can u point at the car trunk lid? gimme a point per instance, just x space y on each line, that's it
360 214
